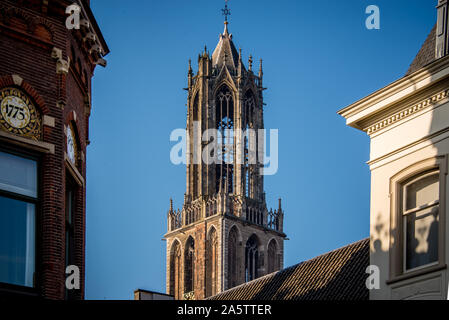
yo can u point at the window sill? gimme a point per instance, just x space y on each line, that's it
417 273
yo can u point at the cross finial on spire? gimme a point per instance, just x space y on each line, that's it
226 11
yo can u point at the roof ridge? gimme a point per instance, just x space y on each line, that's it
252 281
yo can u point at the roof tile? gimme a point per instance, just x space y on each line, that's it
426 54
336 275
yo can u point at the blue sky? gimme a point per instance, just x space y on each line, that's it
318 58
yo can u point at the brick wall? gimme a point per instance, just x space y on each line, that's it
29 32
222 225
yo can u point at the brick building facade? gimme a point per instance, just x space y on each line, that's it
224 235
45 98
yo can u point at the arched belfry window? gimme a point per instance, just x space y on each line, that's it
224 103
232 258
250 109
189 266
251 258
272 257
212 264
194 145
175 270
250 143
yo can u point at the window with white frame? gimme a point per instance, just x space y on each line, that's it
420 208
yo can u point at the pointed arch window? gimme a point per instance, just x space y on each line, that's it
212 264
273 263
189 266
232 258
250 144
175 270
225 125
250 109
251 258
194 146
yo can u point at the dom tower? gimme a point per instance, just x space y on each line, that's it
224 234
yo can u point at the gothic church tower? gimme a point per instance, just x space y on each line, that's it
224 235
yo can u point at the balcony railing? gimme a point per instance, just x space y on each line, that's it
254 212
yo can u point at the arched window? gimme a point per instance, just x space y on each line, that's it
420 217
232 258
225 124
416 230
250 143
194 146
212 264
250 110
189 266
175 270
251 258
273 264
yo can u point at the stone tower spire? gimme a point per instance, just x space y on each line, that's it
224 227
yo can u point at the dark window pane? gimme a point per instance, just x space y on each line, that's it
422 238
17 242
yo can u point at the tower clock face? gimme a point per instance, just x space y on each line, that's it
71 144
17 113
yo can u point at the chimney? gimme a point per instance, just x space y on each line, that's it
441 46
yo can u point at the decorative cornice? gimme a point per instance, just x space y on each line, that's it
405 113
405 87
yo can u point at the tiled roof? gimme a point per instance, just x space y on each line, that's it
426 54
336 275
